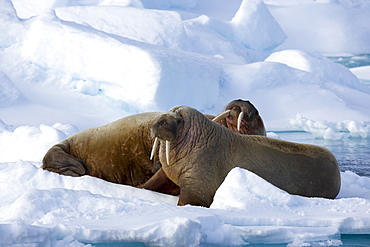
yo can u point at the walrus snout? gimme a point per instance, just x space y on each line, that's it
243 115
166 127
235 112
246 108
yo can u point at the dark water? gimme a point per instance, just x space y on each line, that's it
119 244
352 61
352 154
356 240
348 240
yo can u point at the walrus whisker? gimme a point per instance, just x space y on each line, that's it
240 118
168 152
154 148
221 116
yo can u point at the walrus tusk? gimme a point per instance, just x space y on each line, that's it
240 118
154 148
168 146
168 152
221 116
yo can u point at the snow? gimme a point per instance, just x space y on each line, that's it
363 73
9 93
254 19
325 26
332 131
67 65
166 27
46 208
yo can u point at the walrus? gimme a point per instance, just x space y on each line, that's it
197 154
241 117
118 152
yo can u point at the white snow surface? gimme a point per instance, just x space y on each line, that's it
66 65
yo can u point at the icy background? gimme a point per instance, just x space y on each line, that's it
66 65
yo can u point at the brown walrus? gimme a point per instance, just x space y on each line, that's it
117 152
197 154
239 116
242 117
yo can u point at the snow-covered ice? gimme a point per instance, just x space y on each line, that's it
46 208
68 65
332 131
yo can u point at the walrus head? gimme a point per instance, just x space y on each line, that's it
167 126
241 116
170 128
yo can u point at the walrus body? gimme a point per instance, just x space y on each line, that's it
119 152
197 154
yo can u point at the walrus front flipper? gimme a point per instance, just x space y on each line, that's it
58 160
159 182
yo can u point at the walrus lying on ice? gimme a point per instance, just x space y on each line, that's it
197 154
119 152
239 116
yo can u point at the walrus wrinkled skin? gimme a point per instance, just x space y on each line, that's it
250 121
117 152
197 154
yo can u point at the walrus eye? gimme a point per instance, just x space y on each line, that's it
252 113
162 122
179 121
